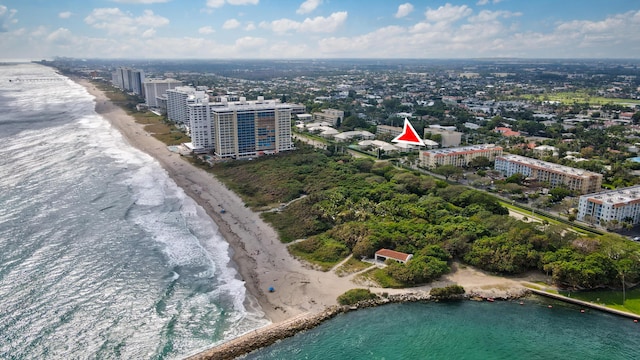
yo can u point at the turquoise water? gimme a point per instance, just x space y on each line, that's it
465 330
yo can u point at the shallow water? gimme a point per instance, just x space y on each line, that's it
465 330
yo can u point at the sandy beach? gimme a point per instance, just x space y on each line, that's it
260 258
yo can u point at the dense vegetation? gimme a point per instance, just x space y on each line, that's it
447 292
354 296
357 206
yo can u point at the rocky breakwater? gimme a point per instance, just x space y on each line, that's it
267 335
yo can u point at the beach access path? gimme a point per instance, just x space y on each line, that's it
260 258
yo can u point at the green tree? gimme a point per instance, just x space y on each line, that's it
448 171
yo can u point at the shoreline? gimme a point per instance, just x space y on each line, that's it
257 254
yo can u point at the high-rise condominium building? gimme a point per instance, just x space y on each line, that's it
241 129
579 180
178 100
156 89
129 80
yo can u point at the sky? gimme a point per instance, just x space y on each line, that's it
313 29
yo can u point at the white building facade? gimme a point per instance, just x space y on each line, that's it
579 180
460 156
178 100
621 205
156 89
250 128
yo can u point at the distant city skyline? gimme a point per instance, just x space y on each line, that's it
298 29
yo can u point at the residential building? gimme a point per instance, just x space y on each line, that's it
505 131
155 90
622 205
250 128
460 156
200 126
449 138
331 116
579 180
393 131
129 80
178 100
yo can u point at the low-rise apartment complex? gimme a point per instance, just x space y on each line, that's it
460 156
579 180
622 205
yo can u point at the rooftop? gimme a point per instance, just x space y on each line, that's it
464 149
548 166
616 197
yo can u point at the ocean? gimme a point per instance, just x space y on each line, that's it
101 254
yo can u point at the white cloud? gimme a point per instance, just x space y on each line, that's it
308 6
448 13
231 24
249 42
64 15
6 18
206 30
61 37
117 22
485 2
404 10
141 1
486 15
318 24
215 3
220 3
149 33
250 27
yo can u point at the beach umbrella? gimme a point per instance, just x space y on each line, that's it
271 289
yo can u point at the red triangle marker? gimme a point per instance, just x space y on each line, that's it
409 135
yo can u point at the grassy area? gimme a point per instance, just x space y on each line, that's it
351 266
383 279
542 218
321 251
609 298
569 98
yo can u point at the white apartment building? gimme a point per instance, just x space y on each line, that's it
582 181
178 100
129 80
460 156
200 126
449 137
155 91
622 205
331 116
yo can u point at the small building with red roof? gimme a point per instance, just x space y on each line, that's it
505 131
383 254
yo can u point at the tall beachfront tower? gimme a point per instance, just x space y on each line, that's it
200 126
244 129
129 80
155 91
178 100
